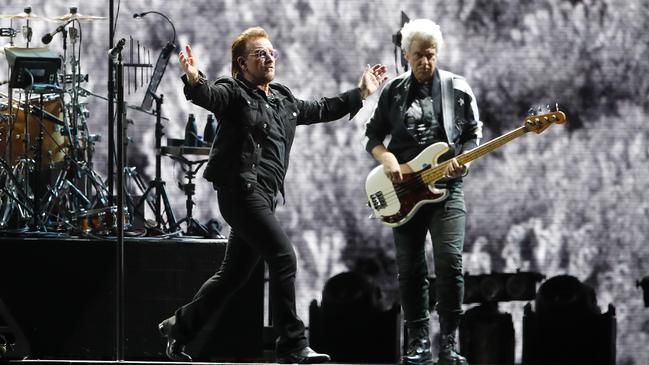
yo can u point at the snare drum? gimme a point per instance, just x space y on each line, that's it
102 221
55 144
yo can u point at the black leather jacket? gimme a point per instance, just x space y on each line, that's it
243 115
460 116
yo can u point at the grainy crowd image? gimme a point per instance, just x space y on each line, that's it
572 200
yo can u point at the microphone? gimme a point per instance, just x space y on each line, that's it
113 52
141 15
47 38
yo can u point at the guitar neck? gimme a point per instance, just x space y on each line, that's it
491 145
437 172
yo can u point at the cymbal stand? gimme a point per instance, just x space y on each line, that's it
27 32
69 131
38 223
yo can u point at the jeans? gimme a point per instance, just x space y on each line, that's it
446 222
255 234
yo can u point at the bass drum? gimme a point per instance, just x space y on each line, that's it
55 144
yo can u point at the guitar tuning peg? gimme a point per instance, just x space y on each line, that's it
539 110
556 106
531 111
547 108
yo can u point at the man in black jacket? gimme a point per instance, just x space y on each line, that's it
417 109
247 166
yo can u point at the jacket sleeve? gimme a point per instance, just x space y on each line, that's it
214 96
472 126
329 109
378 126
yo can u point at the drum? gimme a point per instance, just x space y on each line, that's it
102 221
55 144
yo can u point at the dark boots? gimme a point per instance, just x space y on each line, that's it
448 355
419 352
175 350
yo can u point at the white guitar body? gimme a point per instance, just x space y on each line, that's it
395 204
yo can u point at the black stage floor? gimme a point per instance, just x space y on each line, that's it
76 362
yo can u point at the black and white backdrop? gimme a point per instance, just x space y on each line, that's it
572 200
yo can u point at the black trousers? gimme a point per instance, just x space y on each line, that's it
445 221
255 234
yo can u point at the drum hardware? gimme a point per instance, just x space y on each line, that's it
73 79
190 168
13 197
77 188
102 221
35 71
25 15
8 32
17 133
26 30
74 15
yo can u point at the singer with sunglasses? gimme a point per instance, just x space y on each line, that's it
247 166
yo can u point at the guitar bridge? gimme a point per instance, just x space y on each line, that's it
378 200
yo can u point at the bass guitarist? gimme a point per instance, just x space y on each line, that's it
419 108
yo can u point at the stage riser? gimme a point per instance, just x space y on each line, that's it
63 294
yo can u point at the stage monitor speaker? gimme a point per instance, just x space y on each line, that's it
351 326
33 68
568 326
487 335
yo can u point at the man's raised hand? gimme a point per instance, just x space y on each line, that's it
188 64
372 79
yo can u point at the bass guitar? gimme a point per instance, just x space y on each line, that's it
395 203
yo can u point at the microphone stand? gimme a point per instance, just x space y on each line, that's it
120 202
158 184
119 272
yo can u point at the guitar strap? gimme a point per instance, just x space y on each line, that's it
448 109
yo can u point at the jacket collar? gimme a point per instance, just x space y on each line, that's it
252 88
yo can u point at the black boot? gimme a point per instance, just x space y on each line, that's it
175 350
448 355
303 356
419 352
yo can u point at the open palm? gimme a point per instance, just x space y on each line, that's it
188 63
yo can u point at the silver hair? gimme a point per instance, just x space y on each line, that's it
422 29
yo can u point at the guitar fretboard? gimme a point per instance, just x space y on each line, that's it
437 172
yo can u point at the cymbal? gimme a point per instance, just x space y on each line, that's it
24 15
77 16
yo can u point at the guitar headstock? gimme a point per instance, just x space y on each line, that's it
541 119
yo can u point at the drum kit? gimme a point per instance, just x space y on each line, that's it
47 180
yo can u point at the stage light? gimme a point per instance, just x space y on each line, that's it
495 287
